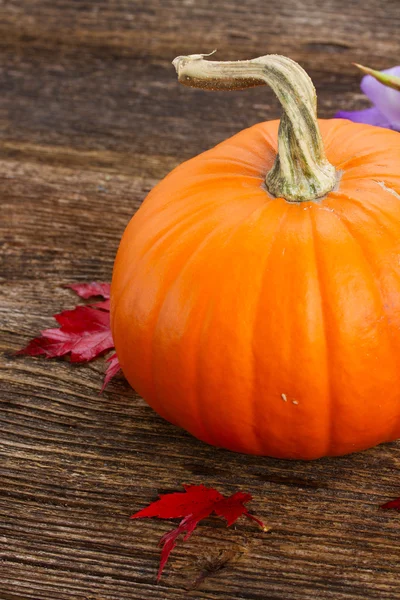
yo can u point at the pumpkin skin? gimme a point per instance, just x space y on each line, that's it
260 325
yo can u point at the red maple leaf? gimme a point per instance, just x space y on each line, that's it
112 369
393 504
194 504
88 290
84 332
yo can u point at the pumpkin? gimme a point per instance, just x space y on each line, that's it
255 298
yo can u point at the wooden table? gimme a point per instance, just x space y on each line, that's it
91 118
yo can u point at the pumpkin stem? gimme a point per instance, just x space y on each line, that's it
301 171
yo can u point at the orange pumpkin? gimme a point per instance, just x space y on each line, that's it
256 294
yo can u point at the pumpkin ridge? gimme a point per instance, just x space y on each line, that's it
235 162
348 138
361 243
370 158
330 398
374 280
329 131
198 378
191 218
368 209
177 226
253 162
274 240
154 243
130 279
196 182
214 233
357 240
234 143
156 318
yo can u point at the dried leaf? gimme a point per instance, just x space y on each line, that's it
194 504
112 369
84 331
89 290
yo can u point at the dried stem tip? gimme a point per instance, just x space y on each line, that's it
301 171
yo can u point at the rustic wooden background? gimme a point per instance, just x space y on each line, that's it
91 117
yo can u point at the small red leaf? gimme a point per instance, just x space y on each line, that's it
84 331
232 508
88 290
168 540
45 345
112 369
393 505
103 305
194 504
194 500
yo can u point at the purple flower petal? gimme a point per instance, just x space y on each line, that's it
386 99
370 116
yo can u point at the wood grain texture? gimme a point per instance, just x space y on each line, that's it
91 117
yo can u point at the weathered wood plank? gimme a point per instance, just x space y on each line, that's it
98 75
91 117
